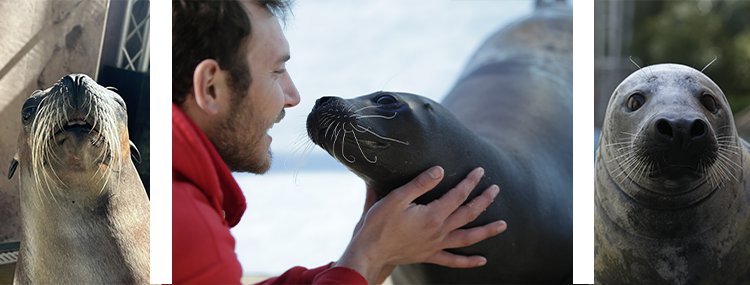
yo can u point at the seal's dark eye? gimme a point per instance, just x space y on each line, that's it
386 100
709 102
635 102
27 112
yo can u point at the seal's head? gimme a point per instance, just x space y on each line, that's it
667 136
388 138
74 136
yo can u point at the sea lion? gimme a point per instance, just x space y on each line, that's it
672 192
84 211
510 113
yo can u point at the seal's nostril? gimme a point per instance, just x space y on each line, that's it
698 129
663 127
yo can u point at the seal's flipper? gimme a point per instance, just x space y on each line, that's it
134 152
13 165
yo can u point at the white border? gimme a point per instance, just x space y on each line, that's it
583 137
161 142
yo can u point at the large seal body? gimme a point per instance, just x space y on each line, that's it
672 192
511 113
85 213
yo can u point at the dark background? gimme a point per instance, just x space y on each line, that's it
690 33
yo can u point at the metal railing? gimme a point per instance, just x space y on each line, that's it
9 252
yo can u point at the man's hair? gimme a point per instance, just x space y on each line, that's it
213 30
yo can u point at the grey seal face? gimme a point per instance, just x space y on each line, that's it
386 138
669 137
74 134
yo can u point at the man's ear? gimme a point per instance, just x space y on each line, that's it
205 79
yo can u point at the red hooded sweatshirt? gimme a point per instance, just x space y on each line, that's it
206 202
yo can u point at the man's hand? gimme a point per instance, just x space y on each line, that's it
396 231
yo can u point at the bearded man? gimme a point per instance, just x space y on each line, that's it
230 85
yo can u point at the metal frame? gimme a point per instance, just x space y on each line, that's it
136 60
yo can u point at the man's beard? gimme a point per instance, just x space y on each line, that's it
239 136
239 140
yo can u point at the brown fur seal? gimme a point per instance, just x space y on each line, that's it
672 183
84 211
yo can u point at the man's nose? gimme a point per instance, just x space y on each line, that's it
291 94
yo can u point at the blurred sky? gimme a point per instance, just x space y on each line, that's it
347 49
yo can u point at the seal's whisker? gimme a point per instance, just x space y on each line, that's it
623 168
642 169
305 155
335 136
364 108
726 158
343 141
723 167
326 133
621 155
731 148
376 116
628 164
727 151
710 173
303 143
48 181
359 128
714 174
629 146
382 137
638 169
360 147
724 135
88 111
726 140
709 64
618 143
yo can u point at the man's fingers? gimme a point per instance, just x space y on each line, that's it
467 213
467 237
420 185
456 196
448 259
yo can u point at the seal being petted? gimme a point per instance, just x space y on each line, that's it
672 194
84 211
511 113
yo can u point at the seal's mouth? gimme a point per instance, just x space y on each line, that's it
76 125
678 171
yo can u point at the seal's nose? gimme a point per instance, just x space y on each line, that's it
75 82
74 88
681 132
322 100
